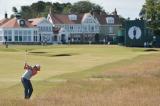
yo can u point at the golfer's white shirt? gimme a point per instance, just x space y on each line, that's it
27 74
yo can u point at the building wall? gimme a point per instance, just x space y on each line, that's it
109 32
90 29
19 35
45 29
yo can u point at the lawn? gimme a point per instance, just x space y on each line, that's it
82 75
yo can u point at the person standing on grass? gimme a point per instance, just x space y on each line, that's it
30 71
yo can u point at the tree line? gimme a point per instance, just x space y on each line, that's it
151 13
41 9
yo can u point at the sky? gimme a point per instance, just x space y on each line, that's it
125 8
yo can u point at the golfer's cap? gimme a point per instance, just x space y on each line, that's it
37 65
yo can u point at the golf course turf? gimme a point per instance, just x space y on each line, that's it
82 75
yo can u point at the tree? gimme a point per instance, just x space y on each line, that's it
81 7
14 9
98 9
67 8
151 12
26 12
38 7
41 9
85 6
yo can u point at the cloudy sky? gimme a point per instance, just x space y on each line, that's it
125 8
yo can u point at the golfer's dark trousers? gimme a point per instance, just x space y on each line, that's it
27 88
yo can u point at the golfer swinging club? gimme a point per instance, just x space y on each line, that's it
30 71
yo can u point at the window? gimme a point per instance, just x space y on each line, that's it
20 38
72 17
47 29
85 28
29 39
110 29
25 38
9 32
110 20
20 33
35 33
1 38
29 32
8 38
16 33
25 33
43 29
16 38
5 38
5 33
55 38
50 29
39 28
71 27
92 28
35 38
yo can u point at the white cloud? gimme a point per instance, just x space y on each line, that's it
126 8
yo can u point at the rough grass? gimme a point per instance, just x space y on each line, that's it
95 76
138 85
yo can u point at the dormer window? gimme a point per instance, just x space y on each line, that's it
110 20
21 22
72 17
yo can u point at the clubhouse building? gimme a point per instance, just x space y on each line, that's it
18 31
61 28
87 27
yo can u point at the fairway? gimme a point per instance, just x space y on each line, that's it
90 71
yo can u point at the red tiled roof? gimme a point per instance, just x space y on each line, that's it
3 21
12 23
64 19
35 21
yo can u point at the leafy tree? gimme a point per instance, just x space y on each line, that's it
38 7
14 9
26 12
67 8
151 12
86 6
97 8
41 9
82 7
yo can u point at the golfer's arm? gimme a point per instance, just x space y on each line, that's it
26 66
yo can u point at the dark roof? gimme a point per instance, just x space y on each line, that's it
64 19
102 18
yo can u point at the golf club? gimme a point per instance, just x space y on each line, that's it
25 60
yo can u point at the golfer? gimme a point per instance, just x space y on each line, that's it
30 71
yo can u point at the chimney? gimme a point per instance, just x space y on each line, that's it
6 15
115 11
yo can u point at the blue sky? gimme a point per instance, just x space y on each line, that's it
125 8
